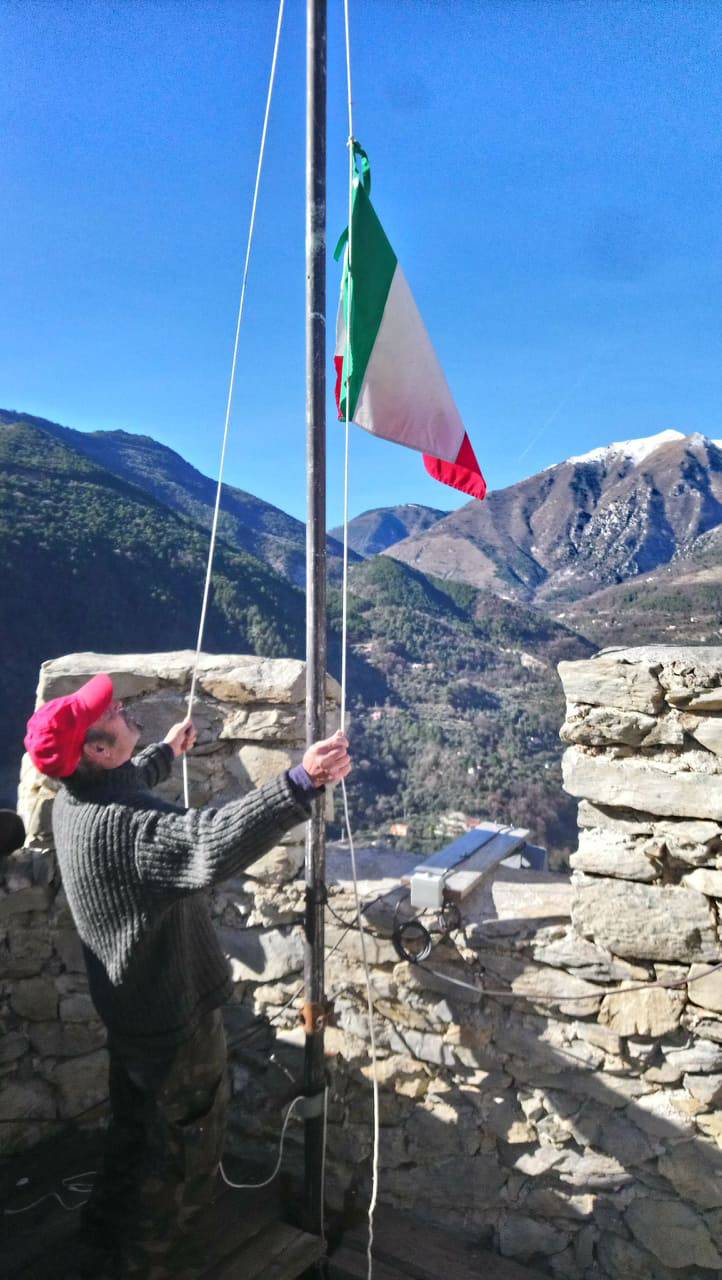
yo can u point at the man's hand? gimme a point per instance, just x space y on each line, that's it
328 761
181 737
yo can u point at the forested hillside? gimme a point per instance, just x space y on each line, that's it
453 692
471 721
91 562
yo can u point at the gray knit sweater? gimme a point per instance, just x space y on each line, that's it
135 870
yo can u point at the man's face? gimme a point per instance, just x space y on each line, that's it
118 733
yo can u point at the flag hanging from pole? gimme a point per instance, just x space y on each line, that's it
396 386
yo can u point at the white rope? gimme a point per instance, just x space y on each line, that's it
249 1186
372 1039
344 649
231 384
74 1182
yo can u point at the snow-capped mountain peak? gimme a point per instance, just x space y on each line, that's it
635 450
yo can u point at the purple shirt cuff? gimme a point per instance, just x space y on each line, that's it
303 786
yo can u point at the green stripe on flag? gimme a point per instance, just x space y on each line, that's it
372 270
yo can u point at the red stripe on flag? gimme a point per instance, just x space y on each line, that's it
338 363
463 474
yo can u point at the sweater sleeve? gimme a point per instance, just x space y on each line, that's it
199 848
151 766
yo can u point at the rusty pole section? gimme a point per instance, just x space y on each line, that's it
313 1073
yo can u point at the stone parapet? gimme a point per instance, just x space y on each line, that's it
550 1078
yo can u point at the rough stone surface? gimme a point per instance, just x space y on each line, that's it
643 783
704 987
673 1232
704 881
522 1237
558 1122
644 1013
694 1169
606 853
706 730
678 923
82 1083
35 999
609 681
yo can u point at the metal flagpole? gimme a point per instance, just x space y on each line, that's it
314 1006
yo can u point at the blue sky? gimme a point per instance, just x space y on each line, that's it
549 173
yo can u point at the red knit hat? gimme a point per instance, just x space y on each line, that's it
57 730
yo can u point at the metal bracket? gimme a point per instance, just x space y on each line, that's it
316 1017
311 1107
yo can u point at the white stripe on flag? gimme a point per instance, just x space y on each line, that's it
404 395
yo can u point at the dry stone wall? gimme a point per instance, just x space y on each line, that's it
539 1090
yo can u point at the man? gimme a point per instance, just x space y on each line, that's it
136 870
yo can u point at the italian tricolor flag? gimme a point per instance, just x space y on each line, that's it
396 386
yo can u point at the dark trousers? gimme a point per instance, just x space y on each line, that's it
162 1151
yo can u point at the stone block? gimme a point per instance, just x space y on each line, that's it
711 1126
610 1091
70 950
66 1040
642 784
523 1237
592 1171
704 881
246 678
612 1133
673 1232
132 674
597 726
608 853
645 1013
37 814
620 820
35 999
622 1259
29 949
263 955
13 1045
17 870
704 987
557 990
706 700
470 1183
278 866
707 730
266 724
589 960
82 1083
26 1100
609 681
706 1089
653 922
254 764
663 1115
77 1007
36 898
700 1055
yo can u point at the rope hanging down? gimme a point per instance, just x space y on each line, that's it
344 649
232 384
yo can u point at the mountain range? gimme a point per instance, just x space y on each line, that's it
246 522
582 525
456 620
374 531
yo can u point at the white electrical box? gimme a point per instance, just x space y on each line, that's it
427 888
